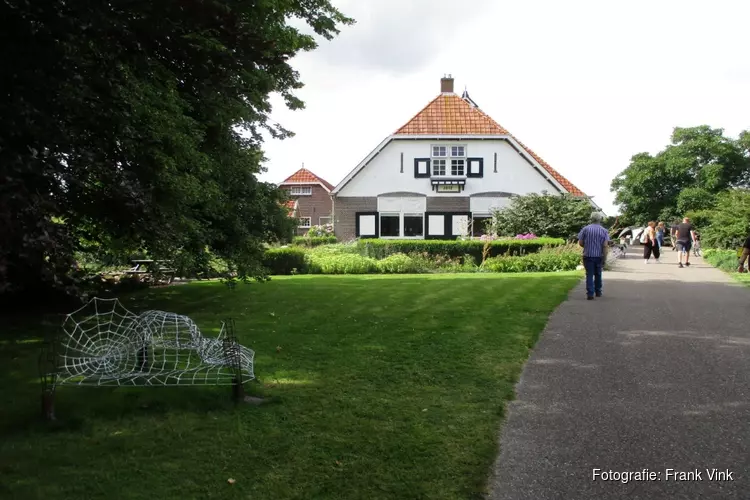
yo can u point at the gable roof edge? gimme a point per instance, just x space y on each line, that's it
362 164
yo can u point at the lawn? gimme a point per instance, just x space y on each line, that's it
383 386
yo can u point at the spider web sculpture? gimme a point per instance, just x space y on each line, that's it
105 344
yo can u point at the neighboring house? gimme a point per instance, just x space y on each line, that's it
311 199
443 172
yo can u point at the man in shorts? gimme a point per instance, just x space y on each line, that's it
685 235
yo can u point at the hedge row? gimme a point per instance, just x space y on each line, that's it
378 248
292 260
726 260
313 241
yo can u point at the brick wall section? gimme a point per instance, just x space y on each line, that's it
315 206
345 208
448 204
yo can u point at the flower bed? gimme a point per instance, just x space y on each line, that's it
347 259
380 248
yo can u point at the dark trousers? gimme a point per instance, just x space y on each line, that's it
593 266
649 248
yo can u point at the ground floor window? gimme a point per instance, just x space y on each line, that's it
305 221
390 225
479 224
413 225
324 221
400 225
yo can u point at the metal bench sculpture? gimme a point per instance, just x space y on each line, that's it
103 344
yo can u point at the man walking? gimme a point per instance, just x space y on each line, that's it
594 238
685 236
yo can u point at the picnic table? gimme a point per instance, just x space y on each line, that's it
148 268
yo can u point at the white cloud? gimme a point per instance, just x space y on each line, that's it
585 84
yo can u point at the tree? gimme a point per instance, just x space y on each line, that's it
699 163
559 216
137 125
728 223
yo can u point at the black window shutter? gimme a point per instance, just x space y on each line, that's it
471 164
426 162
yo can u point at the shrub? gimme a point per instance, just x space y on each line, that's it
285 260
726 260
313 241
399 263
334 249
378 248
341 264
545 261
321 230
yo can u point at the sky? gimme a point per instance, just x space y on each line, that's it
585 84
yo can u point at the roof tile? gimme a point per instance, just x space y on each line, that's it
303 175
449 114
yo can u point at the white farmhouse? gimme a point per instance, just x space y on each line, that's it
448 166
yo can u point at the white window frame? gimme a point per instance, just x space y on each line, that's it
401 216
402 225
324 220
300 191
452 153
302 223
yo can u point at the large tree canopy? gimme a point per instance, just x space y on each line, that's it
121 127
686 176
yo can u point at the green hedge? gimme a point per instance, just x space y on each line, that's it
726 260
341 264
313 241
538 262
287 260
378 248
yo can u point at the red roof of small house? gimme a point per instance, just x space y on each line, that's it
291 206
304 176
449 114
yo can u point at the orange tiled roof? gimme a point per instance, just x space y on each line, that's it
303 175
449 114
291 205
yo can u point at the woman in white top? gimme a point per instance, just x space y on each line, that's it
650 245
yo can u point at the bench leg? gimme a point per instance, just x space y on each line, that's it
48 405
238 390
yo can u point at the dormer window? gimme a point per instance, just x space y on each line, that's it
448 160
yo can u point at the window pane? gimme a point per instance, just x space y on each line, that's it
479 225
438 167
457 151
457 167
439 151
413 225
389 225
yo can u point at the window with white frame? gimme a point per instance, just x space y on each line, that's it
448 160
301 191
324 221
401 225
305 222
390 225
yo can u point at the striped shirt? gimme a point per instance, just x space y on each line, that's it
594 236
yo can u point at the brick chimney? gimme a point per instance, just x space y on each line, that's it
446 84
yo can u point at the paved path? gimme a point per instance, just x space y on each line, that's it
655 375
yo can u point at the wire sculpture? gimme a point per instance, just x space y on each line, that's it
105 344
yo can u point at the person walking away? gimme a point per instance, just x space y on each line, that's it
745 255
685 236
594 239
650 246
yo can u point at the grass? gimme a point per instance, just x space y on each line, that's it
385 387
